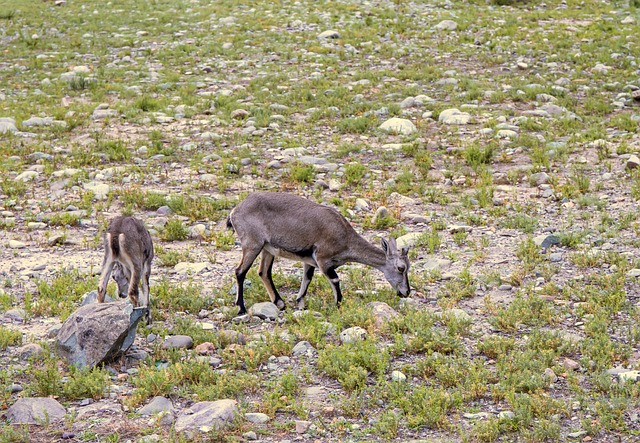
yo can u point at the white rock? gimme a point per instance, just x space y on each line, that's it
26 176
454 117
15 244
399 125
446 25
329 34
353 334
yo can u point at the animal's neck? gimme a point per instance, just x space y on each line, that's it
361 251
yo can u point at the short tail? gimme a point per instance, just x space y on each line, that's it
115 245
229 224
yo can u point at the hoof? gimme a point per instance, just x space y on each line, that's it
281 305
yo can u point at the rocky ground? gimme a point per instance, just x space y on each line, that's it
499 140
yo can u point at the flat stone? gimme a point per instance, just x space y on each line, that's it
207 416
265 311
256 417
156 405
178 342
16 244
27 176
399 126
475 416
190 268
35 410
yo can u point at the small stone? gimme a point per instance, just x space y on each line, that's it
476 416
156 405
577 434
178 342
302 426
540 178
239 114
454 117
629 376
546 240
506 415
256 417
302 348
382 213
15 244
329 34
570 364
250 435
265 311
551 376
398 376
446 25
36 410
633 162
353 334
206 348
633 273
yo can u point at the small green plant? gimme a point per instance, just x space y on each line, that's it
61 296
64 219
351 362
174 230
9 337
354 173
46 378
170 258
86 383
301 173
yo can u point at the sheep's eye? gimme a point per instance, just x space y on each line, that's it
402 268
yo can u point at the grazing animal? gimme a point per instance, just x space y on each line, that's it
290 226
128 252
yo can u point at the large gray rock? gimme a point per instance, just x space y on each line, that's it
207 416
98 333
35 410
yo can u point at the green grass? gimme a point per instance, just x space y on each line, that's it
197 62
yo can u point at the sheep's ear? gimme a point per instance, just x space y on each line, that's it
385 245
405 251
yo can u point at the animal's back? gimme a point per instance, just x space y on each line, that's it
135 235
288 221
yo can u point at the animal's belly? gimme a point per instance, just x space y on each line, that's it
279 252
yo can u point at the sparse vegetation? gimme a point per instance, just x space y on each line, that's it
523 222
